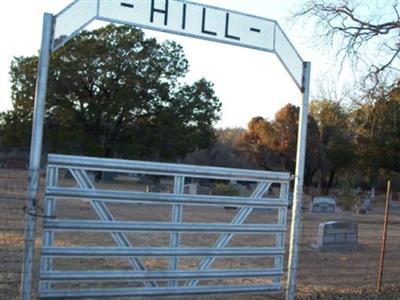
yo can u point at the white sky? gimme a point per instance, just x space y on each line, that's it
248 82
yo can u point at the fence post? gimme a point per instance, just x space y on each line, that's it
35 155
384 234
298 186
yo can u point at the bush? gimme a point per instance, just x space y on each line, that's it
346 201
225 189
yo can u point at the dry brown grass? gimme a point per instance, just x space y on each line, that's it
321 275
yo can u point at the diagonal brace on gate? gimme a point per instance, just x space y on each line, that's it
104 214
225 238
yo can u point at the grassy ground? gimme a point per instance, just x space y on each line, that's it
321 275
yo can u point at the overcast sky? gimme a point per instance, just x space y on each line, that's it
248 82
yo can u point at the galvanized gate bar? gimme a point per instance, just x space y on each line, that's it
104 214
48 235
167 291
113 226
164 198
157 275
167 169
159 251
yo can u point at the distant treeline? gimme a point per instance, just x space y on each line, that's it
347 146
112 92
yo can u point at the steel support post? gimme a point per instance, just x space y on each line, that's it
35 155
298 186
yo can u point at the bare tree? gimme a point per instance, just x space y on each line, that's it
363 32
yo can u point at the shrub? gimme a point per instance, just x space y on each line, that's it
347 201
225 189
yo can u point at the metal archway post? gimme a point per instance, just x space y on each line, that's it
35 155
298 186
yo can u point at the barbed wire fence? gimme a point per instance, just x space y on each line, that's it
13 189
351 270
13 197
318 271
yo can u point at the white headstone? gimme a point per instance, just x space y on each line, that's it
323 205
190 189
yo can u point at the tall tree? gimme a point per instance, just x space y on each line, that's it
223 152
258 144
366 32
113 92
286 124
336 141
377 132
272 144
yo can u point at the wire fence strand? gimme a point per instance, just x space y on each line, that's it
317 270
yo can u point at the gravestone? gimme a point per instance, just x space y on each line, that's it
366 203
394 205
323 205
152 188
337 235
108 176
203 190
92 176
373 194
190 189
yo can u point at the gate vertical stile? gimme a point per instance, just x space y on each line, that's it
176 217
280 237
49 212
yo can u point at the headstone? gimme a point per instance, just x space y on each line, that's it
373 193
366 203
394 205
108 176
323 205
92 176
134 177
190 189
152 188
337 235
204 190
358 190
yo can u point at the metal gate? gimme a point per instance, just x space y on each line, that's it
96 269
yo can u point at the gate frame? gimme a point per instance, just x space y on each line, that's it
98 198
35 157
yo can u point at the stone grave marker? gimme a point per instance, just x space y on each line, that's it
323 205
108 176
337 235
394 205
190 189
366 203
